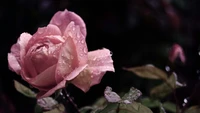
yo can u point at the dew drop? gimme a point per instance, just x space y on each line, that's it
185 100
73 28
81 54
94 58
85 50
167 68
82 41
78 35
40 30
92 76
69 65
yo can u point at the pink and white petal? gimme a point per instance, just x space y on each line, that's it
83 80
23 41
99 62
62 84
13 63
42 33
45 80
67 60
63 18
73 31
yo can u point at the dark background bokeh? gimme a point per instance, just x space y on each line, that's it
136 31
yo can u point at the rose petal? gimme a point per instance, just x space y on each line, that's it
63 18
99 62
17 52
42 33
45 80
62 84
43 55
23 41
13 63
67 60
73 31
83 80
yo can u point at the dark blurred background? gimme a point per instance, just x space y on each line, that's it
138 32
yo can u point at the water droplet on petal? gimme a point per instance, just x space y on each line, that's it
91 76
40 30
82 41
69 65
77 35
81 54
94 58
85 50
73 28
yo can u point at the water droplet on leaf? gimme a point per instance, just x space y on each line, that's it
167 68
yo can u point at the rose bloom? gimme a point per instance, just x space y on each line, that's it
57 54
175 52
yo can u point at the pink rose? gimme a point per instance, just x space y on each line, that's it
57 54
177 52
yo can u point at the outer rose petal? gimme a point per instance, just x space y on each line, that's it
17 52
42 33
67 61
23 41
73 31
63 18
62 84
99 62
45 80
13 63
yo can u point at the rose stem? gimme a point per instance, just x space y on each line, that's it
69 104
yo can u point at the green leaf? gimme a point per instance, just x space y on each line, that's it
148 71
133 108
101 102
59 109
149 102
162 110
125 108
193 109
169 107
24 90
166 88
86 109
126 105
110 108
38 109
